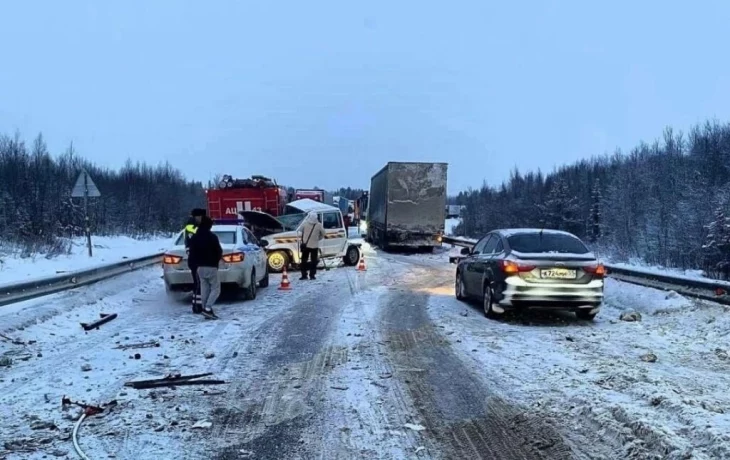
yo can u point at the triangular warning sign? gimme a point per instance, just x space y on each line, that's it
84 183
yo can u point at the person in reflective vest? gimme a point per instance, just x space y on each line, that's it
196 216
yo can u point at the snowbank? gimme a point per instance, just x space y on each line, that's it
105 250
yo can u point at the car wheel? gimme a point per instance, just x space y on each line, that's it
265 280
488 301
250 292
585 314
459 287
352 256
277 261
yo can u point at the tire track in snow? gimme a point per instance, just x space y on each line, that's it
275 414
457 410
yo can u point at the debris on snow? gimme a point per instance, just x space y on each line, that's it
104 318
86 368
630 316
339 387
720 353
149 344
201 425
173 381
39 425
209 355
414 427
649 358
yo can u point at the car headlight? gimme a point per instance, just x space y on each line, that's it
363 226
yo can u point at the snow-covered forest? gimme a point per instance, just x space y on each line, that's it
665 203
37 211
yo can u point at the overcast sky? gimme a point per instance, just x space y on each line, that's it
324 93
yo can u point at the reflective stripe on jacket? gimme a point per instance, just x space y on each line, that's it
190 230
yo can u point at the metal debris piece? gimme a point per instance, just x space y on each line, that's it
150 344
105 318
173 381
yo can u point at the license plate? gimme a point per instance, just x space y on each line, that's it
558 274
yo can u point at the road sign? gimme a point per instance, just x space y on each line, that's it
85 187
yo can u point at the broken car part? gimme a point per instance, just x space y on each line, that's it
174 380
105 318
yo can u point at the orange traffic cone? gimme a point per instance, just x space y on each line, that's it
361 265
285 284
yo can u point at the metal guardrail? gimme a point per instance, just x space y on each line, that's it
26 290
705 289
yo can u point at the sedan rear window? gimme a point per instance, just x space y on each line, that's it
226 237
535 243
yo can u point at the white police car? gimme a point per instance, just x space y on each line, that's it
243 265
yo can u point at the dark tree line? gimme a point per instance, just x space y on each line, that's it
665 203
38 214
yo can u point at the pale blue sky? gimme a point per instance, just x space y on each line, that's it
325 92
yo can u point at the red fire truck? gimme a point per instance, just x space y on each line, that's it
234 195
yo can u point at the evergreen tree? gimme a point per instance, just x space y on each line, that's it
561 210
717 243
594 224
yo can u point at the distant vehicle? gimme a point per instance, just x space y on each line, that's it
282 238
531 268
235 195
407 205
453 211
243 266
313 194
361 213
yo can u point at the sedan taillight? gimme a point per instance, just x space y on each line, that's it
512 268
596 270
169 259
234 258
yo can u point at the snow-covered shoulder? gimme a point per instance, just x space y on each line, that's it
105 250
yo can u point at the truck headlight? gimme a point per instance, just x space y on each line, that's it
363 226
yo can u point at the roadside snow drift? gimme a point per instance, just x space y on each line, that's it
105 250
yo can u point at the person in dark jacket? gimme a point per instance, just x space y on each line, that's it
205 254
196 216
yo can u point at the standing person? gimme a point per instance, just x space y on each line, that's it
196 216
205 254
312 233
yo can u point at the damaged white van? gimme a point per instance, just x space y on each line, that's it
283 235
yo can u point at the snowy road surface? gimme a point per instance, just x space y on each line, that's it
383 364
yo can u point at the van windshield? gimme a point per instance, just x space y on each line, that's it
291 222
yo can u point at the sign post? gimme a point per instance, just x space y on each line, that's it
85 188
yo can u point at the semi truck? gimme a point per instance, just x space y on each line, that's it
407 205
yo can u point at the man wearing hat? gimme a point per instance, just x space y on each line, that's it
196 216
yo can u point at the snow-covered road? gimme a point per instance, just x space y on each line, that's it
380 364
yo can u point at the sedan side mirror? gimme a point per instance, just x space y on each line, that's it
263 243
465 251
